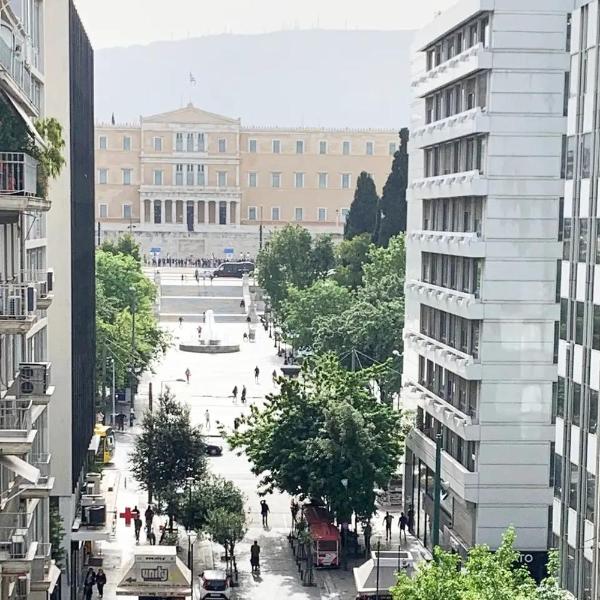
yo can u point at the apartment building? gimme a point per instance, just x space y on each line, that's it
193 182
576 521
481 328
26 294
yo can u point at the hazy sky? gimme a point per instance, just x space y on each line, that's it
127 22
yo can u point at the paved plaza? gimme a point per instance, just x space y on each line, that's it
212 380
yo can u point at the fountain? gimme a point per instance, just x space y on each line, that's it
209 341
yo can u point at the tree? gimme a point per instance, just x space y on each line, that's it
315 432
125 244
351 256
305 309
57 533
486 575
392 206
227 528
363 210
323 255
167 452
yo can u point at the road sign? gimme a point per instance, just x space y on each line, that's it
228 251
155 250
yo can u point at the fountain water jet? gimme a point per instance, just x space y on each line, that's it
209 342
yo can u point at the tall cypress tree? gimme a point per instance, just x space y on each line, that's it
392 205
362 217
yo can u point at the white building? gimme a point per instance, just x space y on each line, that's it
481 331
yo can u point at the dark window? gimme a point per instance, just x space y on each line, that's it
590 495
583 239
579 323
596 328
570 157
573 485
567 229
566 95
556 338
586 153
576 404
564 306
593 412
563 157
560 397
568 40
557 478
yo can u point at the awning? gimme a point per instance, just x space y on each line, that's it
90 535
20 467
94 444
30 125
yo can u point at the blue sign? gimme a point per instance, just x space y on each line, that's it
155 250
228 251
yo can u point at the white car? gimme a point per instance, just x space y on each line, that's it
215 584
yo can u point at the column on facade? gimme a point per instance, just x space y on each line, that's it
194 212
206 212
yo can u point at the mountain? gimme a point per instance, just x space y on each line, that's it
288 78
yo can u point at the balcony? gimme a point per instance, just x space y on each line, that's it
18 303
468 244
17 546
43 282
16 431
453 301
45 482
469 122
19 183
466 183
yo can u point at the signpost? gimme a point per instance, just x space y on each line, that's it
228 251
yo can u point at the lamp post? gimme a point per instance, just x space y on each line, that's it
192 536
437 492
344 483
377 575
113 393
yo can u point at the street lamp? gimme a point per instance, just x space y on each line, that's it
377 575
114 395
192 537
344 483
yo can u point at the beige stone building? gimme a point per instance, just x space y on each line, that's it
190 182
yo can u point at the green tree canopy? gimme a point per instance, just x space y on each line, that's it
392 206
319 430
125 244
363 210
486 575
351 257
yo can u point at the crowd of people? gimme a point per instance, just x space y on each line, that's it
210 262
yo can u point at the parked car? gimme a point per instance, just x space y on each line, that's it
214 449
234 269
215 584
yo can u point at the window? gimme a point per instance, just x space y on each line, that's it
579 308
576 404
102 142
346 148
276 146
252 180
369 148
190 142
322 214
392 148
299 180
222 145
200 175
252 146
276 180
126 176
586 156
252 213
102 176
322 147
103 211
179 142
275 213
570 157
127 211
201 142
574 480
222 178
178 174
346 177
593 412
322 180
189 175
157 176
557 476
126 143
157 144
299 146
298 214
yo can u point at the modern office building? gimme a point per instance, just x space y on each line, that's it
193 182
69 98
26 293
481 329
576 519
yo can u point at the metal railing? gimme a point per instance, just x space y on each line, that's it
38 278
41 561
15 535
15 415
18 174
13 65
16 301
42 462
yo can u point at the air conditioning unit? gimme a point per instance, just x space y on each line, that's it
15 306
31 299
50 280
23 586
34 378
18 548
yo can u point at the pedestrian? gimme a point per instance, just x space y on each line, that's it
151 537
410 515
256 374
100 582
121 421
149 516
402 523
245 337
197 276
131 417
88 584
188 374
243 398
207 419
294 508
135 513
264 512
255 557
199 330
180 322
236 423
388 520
137 524
274 375
242 304
367 531
212 276
234 393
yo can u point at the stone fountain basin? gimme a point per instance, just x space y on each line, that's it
210 348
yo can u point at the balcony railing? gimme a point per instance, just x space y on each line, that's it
40 279
15 535
42 462
15 415
18 174
13 65
17 301
41 562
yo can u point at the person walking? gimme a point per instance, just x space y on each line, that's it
294 508
264 512
410 516
207 420
234 393
255 557
367 532
135 513
256 374
180 322
88 584
188 374
149 516
137 524
100 582
402 523
243 397
152 537
131 416
388 521
199 330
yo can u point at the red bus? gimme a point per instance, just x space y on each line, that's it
326 540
